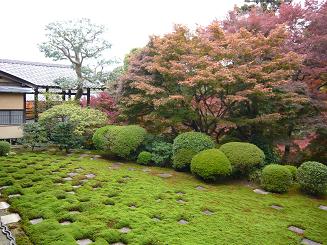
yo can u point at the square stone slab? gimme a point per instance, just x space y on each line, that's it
77 186
79 169
180 201
84 242
65 222
276 207
309 242
323 207
67 179
260 191
72 174
200 188
183 222
295 229
118 243
90 176
165 175
207 212
4 205
10 218
132 207
14 195
156 219
71 192
124 230
74 212
36 221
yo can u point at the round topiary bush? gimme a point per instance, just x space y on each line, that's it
312 177
120 141
193 141
292 169
211 164
276 178
182 159
243 156
144 158
4 148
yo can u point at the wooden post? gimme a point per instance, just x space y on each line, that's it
69 94
63 95
47 98
88 96
36 104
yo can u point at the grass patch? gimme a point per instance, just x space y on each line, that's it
147 204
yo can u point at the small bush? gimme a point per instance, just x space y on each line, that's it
193 141
312 177
161 153
4 148
255 176
34 135
182 159
292 169
121 141
144 158
211 164
243 156
276 178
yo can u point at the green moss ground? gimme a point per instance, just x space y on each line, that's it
240 216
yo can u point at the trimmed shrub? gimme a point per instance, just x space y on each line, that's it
182 159
161 153
243 156
312 177
144 158
193 141
292 169
276 178
4 148
121 141
211 164
34 135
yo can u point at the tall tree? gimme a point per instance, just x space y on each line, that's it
81 43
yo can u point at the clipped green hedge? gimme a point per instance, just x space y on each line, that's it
243 156
312 177
193 141
182 159
276 178
120 141
292 169
4 148
144 158
211 164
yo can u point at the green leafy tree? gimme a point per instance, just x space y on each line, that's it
81 43
63 135
34 135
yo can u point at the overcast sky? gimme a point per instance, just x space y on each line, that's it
129 22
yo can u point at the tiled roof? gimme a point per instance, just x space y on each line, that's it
40 74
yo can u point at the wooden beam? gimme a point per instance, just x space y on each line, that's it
47 98
63 95
36 104
69 94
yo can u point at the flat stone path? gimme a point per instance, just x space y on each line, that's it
183 222
4 205
36 221
295 229
322 207
276 207
207 212
309 242
260 191
84 241
10 218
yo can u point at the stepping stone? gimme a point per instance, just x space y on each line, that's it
260 191
207 212
132 207
180 193
4 187
55 172
36 221
165 175
158 200
84 180
14 195
76 186
67 179
4 205
118 243
200 188
131 169
58 183
146 170
90 176
72 174
183 222
156 219
10 218
71 192
65 223
84 242
79 169
295 229
276 207
124 230
180 201
309 242
322 207
74 212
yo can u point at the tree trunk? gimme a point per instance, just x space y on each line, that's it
287 149
79 89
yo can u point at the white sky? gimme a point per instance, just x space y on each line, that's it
129 22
